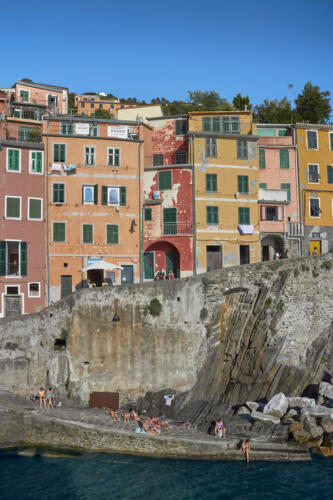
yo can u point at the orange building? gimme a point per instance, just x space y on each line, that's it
95 193
88 104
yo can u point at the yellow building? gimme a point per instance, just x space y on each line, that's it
315 165
224 153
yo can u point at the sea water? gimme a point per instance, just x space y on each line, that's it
102 477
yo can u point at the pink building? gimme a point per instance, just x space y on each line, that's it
278 202
22 229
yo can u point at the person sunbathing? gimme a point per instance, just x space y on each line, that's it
150 427
126 416
161 423
114 415
134 415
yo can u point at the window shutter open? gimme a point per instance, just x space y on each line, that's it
104 195
122 196
24 258
3 258
82 194
280 213
39 165
96 194
262 212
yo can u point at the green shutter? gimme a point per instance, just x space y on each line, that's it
3 258
104 195
226 124
242 150
180 127
262 158
122 196
87 233
58 193
286 185
206 124
95 194
39 162
148 214
59 231
13 208
212 215
211 183
158 160
243 184
312 139
263 185
116 157
216 124
170 220
35 209
164 180
13 160
330 172
243 215
112 234
24 258
284 158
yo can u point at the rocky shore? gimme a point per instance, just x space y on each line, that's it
23 424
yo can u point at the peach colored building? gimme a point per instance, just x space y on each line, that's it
278 195
95 195
88 104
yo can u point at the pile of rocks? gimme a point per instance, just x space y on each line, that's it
310 421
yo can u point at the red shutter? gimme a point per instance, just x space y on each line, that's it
262 212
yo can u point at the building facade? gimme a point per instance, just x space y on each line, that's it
224 153
88 104
315 162
22 229
95 193
280 227
168 201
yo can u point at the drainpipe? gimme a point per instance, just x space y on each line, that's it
298 198
140 219
47 217
194 212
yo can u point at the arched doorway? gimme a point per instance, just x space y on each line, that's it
269 245
161 256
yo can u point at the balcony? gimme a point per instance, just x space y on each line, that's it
295 229
273 196
181 158
177 228
27 113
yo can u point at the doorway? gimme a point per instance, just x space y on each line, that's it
214 257
244 254
315 244
126 275
66 286
149 265
171 259
95 276
265 253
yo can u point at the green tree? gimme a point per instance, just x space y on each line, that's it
35 135
313 105
208 101
240 102
102 113
275 112
71 102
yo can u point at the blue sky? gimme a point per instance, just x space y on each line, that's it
150 48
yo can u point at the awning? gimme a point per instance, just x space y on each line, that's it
106 266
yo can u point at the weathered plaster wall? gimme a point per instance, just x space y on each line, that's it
246 332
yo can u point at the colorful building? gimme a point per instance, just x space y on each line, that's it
315 163
22 229
223 149
95 192
140 112
168 200
280 227
88 104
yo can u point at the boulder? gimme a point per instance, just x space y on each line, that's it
290 417
296 426
310 425
252 405
315 443
324 451
265 418
243 411
277 406
328 440
317 411
320 400
301 436
326 390
296 402
327 423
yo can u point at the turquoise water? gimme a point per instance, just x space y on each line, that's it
102 477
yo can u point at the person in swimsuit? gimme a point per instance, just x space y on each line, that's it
42 399
246 448
219 429
50 397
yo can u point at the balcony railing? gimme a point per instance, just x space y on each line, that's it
177 228
181 158
295 229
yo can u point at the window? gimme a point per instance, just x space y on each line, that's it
24 95
59 152
331 141
24 133
242 150
180 127
13 160
284 158
34 290
87 233
211 183
271 213
314 174
243 215
112 234
158 160
101 106
58 193
212 215
224 124
312 140
13 258
282 132
13 207
36 162
59 231
286 186
164 180
314 207
148 214
67 128
93 130
35 209
330 174
114 157
92 105
244 254
83 104
114 195
211 148
243 184
263 185
89 155
90 194
262 158
170 220
181 158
